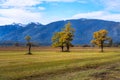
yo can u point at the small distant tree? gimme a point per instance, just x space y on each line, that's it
63 38
99 38
28 38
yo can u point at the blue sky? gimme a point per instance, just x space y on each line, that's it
46 11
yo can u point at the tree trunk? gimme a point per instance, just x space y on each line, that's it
68 48
29 49
62 47
102 46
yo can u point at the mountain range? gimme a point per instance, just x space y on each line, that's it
42 34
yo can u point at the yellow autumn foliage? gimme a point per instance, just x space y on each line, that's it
99 37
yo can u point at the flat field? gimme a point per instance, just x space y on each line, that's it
48 63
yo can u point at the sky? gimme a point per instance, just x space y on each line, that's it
47 11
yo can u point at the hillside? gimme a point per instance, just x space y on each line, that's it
42 34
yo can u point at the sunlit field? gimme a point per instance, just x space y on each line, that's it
48 63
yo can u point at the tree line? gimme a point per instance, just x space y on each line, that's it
64 38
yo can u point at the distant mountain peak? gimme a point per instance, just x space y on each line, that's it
84 29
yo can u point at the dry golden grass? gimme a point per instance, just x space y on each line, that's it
48 63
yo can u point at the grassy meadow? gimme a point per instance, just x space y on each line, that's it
50 64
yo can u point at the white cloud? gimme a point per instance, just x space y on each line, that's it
20 3
109 5
4 20
19 16
99 15
24 3
59 0
20 11
24 11
82 1
89 14
112 5
41 8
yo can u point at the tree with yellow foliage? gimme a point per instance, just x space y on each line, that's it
99 38
63 38
57 40
68 36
